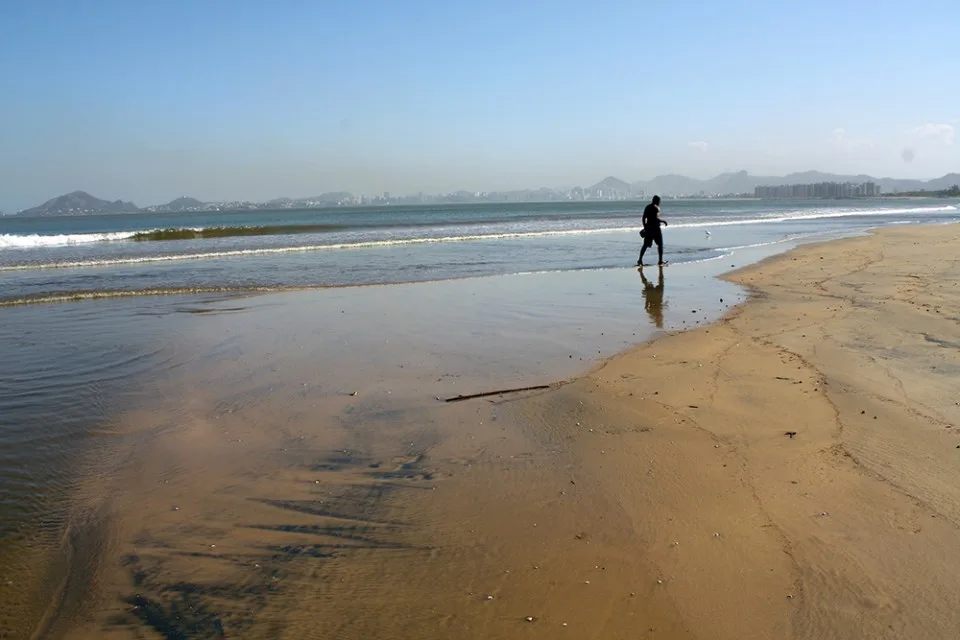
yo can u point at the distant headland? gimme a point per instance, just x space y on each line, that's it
725 185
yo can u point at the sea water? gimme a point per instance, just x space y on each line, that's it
55 258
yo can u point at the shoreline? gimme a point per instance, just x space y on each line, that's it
378 253
734 397
463 520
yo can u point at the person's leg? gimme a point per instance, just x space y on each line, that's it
660 247
647 241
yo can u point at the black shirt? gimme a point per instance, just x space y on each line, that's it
651 217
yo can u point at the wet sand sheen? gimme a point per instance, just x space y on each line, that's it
658 496
291 359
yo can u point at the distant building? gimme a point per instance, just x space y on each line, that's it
818 190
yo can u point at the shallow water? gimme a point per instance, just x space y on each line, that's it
70 370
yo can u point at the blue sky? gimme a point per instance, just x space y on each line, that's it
221 99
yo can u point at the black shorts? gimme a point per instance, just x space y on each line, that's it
652 235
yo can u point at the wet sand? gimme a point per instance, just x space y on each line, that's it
96 393
789 471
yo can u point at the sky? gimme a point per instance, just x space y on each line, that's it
236 99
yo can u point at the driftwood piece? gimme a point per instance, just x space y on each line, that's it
496 393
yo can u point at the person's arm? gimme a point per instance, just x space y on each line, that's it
662 221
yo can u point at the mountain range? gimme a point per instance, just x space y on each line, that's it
610 188
741 182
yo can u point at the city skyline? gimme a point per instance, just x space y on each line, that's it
366 197
815 190
810 184
148 101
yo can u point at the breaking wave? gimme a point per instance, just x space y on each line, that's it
32 241
26 241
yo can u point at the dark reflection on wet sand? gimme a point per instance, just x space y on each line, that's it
653 297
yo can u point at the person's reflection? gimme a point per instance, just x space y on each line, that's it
653 297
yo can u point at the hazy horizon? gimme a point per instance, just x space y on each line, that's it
226 101
401 193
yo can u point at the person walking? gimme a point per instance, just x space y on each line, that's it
651 230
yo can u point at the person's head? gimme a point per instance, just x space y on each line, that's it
656 200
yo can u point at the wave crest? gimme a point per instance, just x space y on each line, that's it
35 240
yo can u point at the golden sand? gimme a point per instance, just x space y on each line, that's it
788 472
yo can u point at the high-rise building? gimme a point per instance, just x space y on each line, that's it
819 190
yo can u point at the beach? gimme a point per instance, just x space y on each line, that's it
790 471
785 469
786 472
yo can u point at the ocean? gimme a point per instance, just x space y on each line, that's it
116 330
55 258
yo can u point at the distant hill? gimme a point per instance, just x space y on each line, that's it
671 185
181 204
945 182
743 182
332 198
80 203
610 188
614 184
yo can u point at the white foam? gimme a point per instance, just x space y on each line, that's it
816 215
34 240
366 244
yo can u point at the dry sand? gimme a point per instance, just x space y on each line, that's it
658 496
848 529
